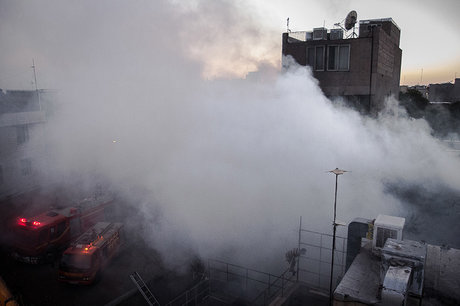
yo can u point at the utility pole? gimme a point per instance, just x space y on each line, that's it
337 172
36 85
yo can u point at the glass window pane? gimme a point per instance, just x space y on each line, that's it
319 64
344 55
331 59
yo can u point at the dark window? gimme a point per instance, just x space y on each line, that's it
319 58
22 132
52 232
344 58
315 57
26 167
338 58
42 236
75 261
60 228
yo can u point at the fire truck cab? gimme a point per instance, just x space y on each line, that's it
84 260
36 238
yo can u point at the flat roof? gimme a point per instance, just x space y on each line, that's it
362 280
378 20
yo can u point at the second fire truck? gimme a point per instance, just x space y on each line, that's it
83 262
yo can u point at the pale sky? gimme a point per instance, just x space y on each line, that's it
226 38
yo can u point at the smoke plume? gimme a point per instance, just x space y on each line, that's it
218 167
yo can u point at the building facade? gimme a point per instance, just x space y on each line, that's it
364 69
445 92
22 147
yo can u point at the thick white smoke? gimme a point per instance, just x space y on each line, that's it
223 167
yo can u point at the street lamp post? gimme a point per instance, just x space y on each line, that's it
337 172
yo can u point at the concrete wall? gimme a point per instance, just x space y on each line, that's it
22 145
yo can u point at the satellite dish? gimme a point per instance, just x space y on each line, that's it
350 20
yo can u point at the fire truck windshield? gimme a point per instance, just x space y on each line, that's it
30 237
75 261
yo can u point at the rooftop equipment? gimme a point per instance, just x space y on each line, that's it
386 227
319 34
336 34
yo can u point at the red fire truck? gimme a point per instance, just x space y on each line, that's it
84 260
38 238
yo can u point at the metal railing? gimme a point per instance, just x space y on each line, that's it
253 286
314 267
278 287
193 296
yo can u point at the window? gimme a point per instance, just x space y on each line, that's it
60 228
319 60
43 236
22 133
315 57
338 58
52 232
26 167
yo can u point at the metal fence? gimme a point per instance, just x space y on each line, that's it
277 288
194 296
229 281
314 266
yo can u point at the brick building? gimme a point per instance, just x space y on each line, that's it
363 69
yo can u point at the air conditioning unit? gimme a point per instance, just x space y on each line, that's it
336 34
319 34
407 258
309 36
387 227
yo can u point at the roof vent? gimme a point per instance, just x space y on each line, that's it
52 214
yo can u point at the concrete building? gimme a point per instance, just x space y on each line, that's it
22 122
445 92
363 69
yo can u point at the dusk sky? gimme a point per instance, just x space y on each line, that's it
227 39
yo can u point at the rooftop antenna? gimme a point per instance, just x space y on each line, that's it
350 22
287 25
36 85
